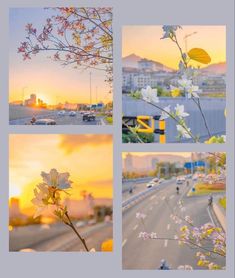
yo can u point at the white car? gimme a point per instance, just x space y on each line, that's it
61 113
180 180
152 183
72 113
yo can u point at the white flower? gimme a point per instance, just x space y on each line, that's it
169 30
42 196
185 83
183 131
165 115
193 91
185 267
153 235
224 138
179 111
140 215
144 235
55 179
149 95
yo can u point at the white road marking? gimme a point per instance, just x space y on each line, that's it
172 196
168 226
136 226
152 197
165 242
210 216
163 198
124 242
150 208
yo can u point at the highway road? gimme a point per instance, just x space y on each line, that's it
60 120
136 187
58 237
147 254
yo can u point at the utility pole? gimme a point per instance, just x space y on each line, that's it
90 92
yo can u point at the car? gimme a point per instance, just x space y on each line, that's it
91 222
61 113
152 183
195 177
80 224
87 117
45 122
72 113
180 180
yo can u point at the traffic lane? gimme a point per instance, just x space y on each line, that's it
157 220
140 187
170 250
95 239
37 235
60 120
136 188
158 195
197 209
68 241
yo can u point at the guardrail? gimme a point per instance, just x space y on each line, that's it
140 196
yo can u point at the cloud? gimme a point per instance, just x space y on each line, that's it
73 142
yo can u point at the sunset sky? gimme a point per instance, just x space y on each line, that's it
145 41
183 154
51 81
88 159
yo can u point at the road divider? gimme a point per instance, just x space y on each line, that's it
142 195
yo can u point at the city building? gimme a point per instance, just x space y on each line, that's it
32 101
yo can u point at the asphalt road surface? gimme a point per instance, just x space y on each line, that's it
136 188
58 237
147 254
60 120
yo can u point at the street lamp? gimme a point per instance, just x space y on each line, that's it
90 92
186 40
23 89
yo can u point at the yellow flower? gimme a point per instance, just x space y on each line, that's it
175 92
183 229
107 246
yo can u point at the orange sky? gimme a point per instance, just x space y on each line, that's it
145 41
183 154
50 80
88 159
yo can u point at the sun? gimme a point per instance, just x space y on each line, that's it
14 191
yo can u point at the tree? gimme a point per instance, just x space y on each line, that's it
80 37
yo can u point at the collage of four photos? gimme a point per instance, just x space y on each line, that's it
173 91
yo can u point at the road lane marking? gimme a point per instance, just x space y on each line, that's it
124 242
168 227
136 226
172 196
163 198
152 197
150 208
210 216
165 242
